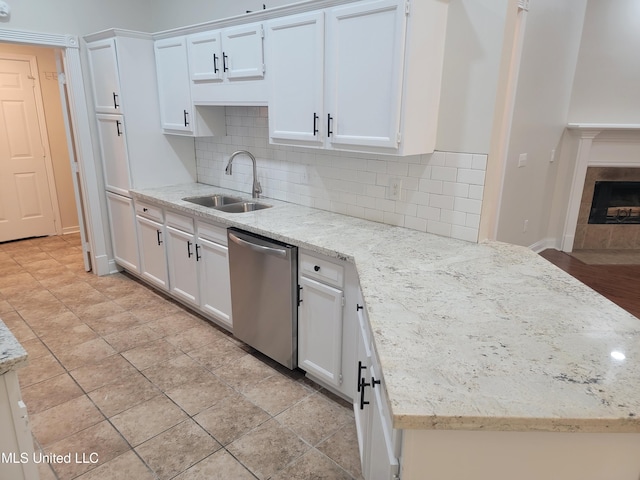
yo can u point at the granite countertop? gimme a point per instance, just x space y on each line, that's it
12 355
470 336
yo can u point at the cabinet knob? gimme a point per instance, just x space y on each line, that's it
374 382
317 268
145 209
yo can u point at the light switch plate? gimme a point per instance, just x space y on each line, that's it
522 160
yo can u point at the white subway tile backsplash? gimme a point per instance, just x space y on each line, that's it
441 192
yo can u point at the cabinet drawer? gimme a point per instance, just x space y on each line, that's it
180 222
212 233
149 211
321 269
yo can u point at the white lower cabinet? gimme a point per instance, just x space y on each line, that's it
181 256
378 442
123 231
212 256
151 243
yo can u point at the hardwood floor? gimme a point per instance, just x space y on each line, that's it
619 283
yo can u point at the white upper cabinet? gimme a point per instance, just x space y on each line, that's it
113 149
367 80
173 85
295 55
365 45
103 63
226 66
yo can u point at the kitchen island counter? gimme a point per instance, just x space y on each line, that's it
485 336
12 354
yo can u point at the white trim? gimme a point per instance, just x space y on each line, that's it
544 244
36 38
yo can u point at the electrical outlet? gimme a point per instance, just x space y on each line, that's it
553 156
394 191
522 160
525 225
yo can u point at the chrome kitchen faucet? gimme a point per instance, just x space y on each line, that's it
257 188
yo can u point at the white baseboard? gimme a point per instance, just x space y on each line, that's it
70 230
544 244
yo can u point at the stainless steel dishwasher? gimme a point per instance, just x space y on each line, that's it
264 295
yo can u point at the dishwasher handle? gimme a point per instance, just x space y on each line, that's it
280 252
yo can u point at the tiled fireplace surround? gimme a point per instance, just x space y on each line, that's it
441 193
605 237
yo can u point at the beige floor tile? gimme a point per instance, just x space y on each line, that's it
245 373
153 353
16 284
55 324
101 439
86 353
61 340
131 338
5 307
312 464
174 323
34 298
49 393
123 467
195 337
175 372
342 448
20 329
277 393
315 418
45 262
267 449
156 310
123 394
35 348
195 396
36 313
56 423
25 259
217 354
219 466
97 311
136 299
104 372
114 323
45 472
148 419
177 449
39 369
65 278
231 418
113 286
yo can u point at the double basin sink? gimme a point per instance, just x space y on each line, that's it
226 203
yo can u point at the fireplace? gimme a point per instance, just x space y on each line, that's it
616 203
609 215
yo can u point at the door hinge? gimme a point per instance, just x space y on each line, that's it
261 31
74 167
407 7
523 5
62 79
398 138
343 300
340 379
299 296
263 68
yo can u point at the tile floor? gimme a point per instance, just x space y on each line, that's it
156 391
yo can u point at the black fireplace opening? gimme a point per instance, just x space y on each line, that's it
615 203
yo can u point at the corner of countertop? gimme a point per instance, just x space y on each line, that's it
12 354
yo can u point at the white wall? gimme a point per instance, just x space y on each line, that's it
78 17
473 47
549 56
607 81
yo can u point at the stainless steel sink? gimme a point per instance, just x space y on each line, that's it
214 201
242 207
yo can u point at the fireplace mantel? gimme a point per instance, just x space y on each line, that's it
599 145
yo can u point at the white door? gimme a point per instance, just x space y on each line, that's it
153 256
320 331
26 208
365 44
103 64
215 286
174 91
242 52
205 56
296 66
183 273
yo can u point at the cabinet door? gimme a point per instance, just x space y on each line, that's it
172 69
183 274
320 331
242 52
365 44
123 231
103 65
215 286
205 56
115 158
361 394
296 66
153 256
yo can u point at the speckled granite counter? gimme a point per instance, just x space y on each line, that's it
12 355
470 336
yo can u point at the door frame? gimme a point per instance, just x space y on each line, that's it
44 136
94 246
